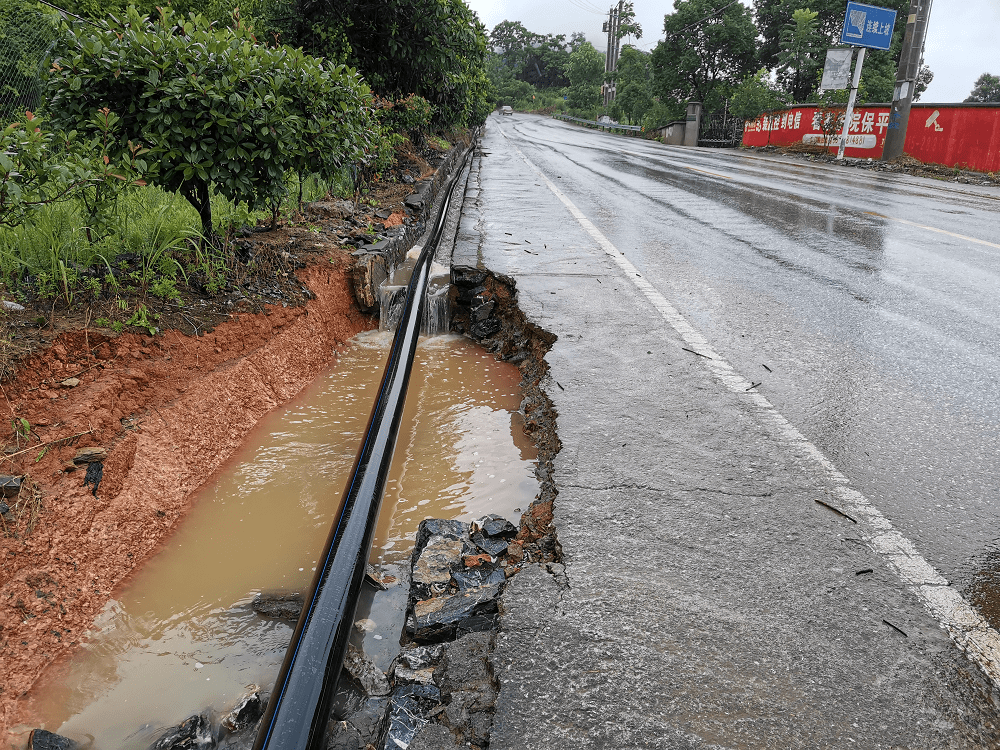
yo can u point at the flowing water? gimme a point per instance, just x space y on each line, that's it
181 636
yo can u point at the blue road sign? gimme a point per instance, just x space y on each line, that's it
868 26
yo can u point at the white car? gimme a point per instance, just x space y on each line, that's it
506 110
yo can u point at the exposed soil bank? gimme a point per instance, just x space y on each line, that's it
171 410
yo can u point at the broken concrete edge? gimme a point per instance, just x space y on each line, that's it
484 308
376 263
452 659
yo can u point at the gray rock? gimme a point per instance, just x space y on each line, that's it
370 719
438 559
408 179
408 713
485 329
278 606
481 310
439 619
246 713
341 735
14 307
194 733
437 527
492 546
467 276
420 657
378 579
414 201
90 455
338 209
371 679
494 526
10 486
467 664
405 676
380 246
41 739
476 577
367 274
4 508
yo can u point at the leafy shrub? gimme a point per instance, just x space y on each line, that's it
38 168
436 48
756 95
217 111
410 115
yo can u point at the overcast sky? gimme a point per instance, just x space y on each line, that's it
963 38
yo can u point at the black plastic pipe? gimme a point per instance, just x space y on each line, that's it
299 708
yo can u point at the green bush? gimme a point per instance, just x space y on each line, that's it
409 115
38 168
435 48
217 111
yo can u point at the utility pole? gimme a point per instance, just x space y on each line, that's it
910 59
849 114
612 26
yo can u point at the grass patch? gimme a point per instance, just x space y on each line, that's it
152 244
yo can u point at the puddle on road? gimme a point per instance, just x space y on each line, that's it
181 637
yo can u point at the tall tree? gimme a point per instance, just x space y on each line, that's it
435 48
627 25
879 75
538 59
633 83
987 89
924 77
585 73
707 50
802 49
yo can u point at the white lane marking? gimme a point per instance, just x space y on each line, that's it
935 229
970 632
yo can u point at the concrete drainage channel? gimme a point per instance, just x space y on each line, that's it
440 690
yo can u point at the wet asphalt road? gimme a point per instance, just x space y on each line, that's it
862 302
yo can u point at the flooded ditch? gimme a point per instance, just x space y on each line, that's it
181 636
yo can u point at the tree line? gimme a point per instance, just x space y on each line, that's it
111 111
721 53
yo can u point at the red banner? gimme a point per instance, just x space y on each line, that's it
952 135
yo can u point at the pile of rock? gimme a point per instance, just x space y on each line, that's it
458 569
443 691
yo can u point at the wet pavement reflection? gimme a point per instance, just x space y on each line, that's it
181 636
866 304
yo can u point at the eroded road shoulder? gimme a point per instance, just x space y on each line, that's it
708 599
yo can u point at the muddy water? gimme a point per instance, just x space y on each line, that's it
181 636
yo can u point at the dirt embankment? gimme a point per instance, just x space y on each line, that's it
171 409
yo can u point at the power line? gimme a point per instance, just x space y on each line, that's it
586 7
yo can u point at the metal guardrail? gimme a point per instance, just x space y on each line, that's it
595 123
299 708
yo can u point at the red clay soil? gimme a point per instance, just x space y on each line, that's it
171 409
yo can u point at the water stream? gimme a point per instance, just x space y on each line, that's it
181 637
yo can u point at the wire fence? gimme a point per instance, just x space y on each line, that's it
28 32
